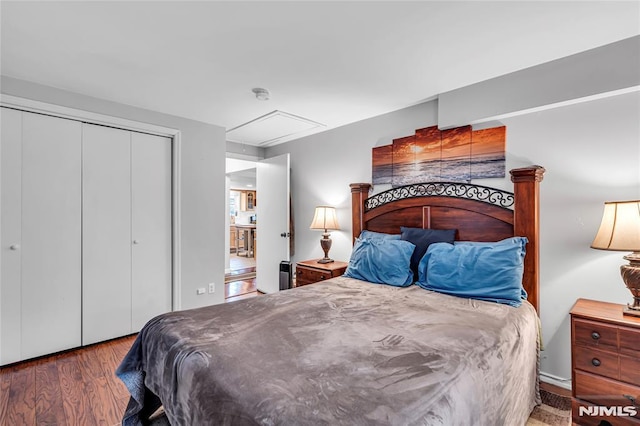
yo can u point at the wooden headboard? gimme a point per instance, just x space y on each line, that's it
479 213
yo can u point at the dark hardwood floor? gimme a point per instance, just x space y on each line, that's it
77 387
72 388
237 290
240 283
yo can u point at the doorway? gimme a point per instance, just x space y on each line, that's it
241 245
268 222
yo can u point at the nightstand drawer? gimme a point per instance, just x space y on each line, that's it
601 391
311 271
629 340
595 334
630 370
309 276
597 362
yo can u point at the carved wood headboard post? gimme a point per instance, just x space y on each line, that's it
359 193
526 223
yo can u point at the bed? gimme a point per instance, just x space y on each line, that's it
347 351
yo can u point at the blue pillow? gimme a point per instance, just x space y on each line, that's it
484 271
422 238
382 261
371 235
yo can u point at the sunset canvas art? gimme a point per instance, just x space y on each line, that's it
431 155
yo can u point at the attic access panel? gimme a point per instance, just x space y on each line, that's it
271 129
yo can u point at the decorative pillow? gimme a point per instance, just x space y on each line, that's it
371 235
422 238
383 261
484 271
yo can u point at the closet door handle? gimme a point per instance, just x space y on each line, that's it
14 247
136 241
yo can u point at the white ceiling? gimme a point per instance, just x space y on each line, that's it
331 62
245 179
236 165
241 173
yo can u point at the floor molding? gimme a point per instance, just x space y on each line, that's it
555 380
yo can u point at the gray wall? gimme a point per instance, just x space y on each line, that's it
592 154
608 68
202 184
243 151
323 166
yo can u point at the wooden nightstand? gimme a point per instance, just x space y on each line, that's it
310 271
605 363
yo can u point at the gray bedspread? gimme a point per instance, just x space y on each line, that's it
341 351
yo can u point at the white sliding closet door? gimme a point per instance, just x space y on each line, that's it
41 251
51 218
85 233
106 233
151 227
10 235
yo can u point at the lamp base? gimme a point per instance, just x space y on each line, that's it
325 243
632 312
631 277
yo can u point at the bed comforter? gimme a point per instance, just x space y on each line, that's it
341 351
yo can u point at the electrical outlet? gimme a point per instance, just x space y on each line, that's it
212 287
201 291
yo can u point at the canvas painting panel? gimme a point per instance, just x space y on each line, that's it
488 153
382 167
456 154
405 170
428 148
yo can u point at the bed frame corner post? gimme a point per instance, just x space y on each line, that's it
526 223
359 193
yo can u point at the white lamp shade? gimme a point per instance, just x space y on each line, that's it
325 218
620 227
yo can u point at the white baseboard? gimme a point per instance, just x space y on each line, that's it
555 380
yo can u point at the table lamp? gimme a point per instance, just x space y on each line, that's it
325 219
620 231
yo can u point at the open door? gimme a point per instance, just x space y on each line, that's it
272 206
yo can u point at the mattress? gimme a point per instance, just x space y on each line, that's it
341 351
